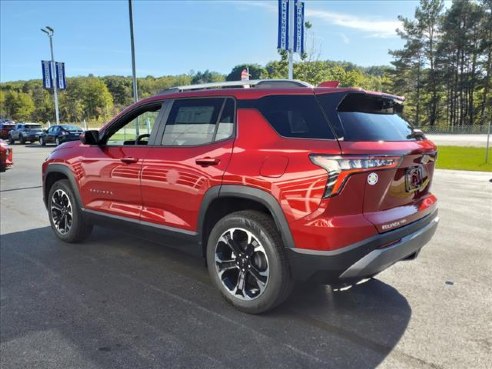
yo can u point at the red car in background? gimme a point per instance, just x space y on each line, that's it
5 128
6 159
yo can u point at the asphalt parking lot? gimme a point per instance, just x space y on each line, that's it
118 301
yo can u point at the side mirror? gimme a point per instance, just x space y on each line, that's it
90 137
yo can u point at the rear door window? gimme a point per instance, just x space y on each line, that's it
199 121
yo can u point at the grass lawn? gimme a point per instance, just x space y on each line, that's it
463 158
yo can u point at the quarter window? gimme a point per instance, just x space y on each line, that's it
295 116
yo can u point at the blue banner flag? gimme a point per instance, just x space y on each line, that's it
299 27
47 75
283 24
61 83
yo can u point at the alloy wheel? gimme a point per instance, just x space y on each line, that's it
61 211
241 264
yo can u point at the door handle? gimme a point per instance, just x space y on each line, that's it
129 160
205 162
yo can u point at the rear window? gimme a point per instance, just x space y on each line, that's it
297 116
70 128
33 126
372 118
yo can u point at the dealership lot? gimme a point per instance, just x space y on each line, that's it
118 301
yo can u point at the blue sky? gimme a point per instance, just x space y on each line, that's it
175 37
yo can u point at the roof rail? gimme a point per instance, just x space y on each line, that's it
256 83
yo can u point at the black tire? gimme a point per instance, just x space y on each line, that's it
11 140
57 141
277 285
22 140
41 141
64 212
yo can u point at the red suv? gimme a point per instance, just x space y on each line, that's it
278 182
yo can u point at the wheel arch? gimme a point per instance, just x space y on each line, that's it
56 172
222 200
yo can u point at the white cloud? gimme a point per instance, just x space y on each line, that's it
373 27
246 5
344 38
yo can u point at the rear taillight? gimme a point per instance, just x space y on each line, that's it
339 168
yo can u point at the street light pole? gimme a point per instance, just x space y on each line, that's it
50 31
134 73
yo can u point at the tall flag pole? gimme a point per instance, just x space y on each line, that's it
291 29
291 37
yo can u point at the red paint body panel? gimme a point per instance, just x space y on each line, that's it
108 184
387 204
173 184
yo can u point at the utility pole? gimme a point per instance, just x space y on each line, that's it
50 31
134 73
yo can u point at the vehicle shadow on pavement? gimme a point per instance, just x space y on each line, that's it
119 301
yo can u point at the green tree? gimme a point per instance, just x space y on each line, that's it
96 100
422 37
256 71
206 77
19 105
120 88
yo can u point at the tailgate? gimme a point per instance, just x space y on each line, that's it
373 125
399 196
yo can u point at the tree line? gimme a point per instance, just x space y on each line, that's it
96 99
443 70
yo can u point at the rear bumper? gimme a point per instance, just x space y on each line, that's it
31 136
69 138
366 258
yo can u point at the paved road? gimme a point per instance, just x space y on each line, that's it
118 301
475 140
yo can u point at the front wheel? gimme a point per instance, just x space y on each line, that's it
41 141
11 140
57 141
22 140
65 215
247 263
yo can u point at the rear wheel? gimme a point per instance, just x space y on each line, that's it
65 215
247 263
11 140
22 140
